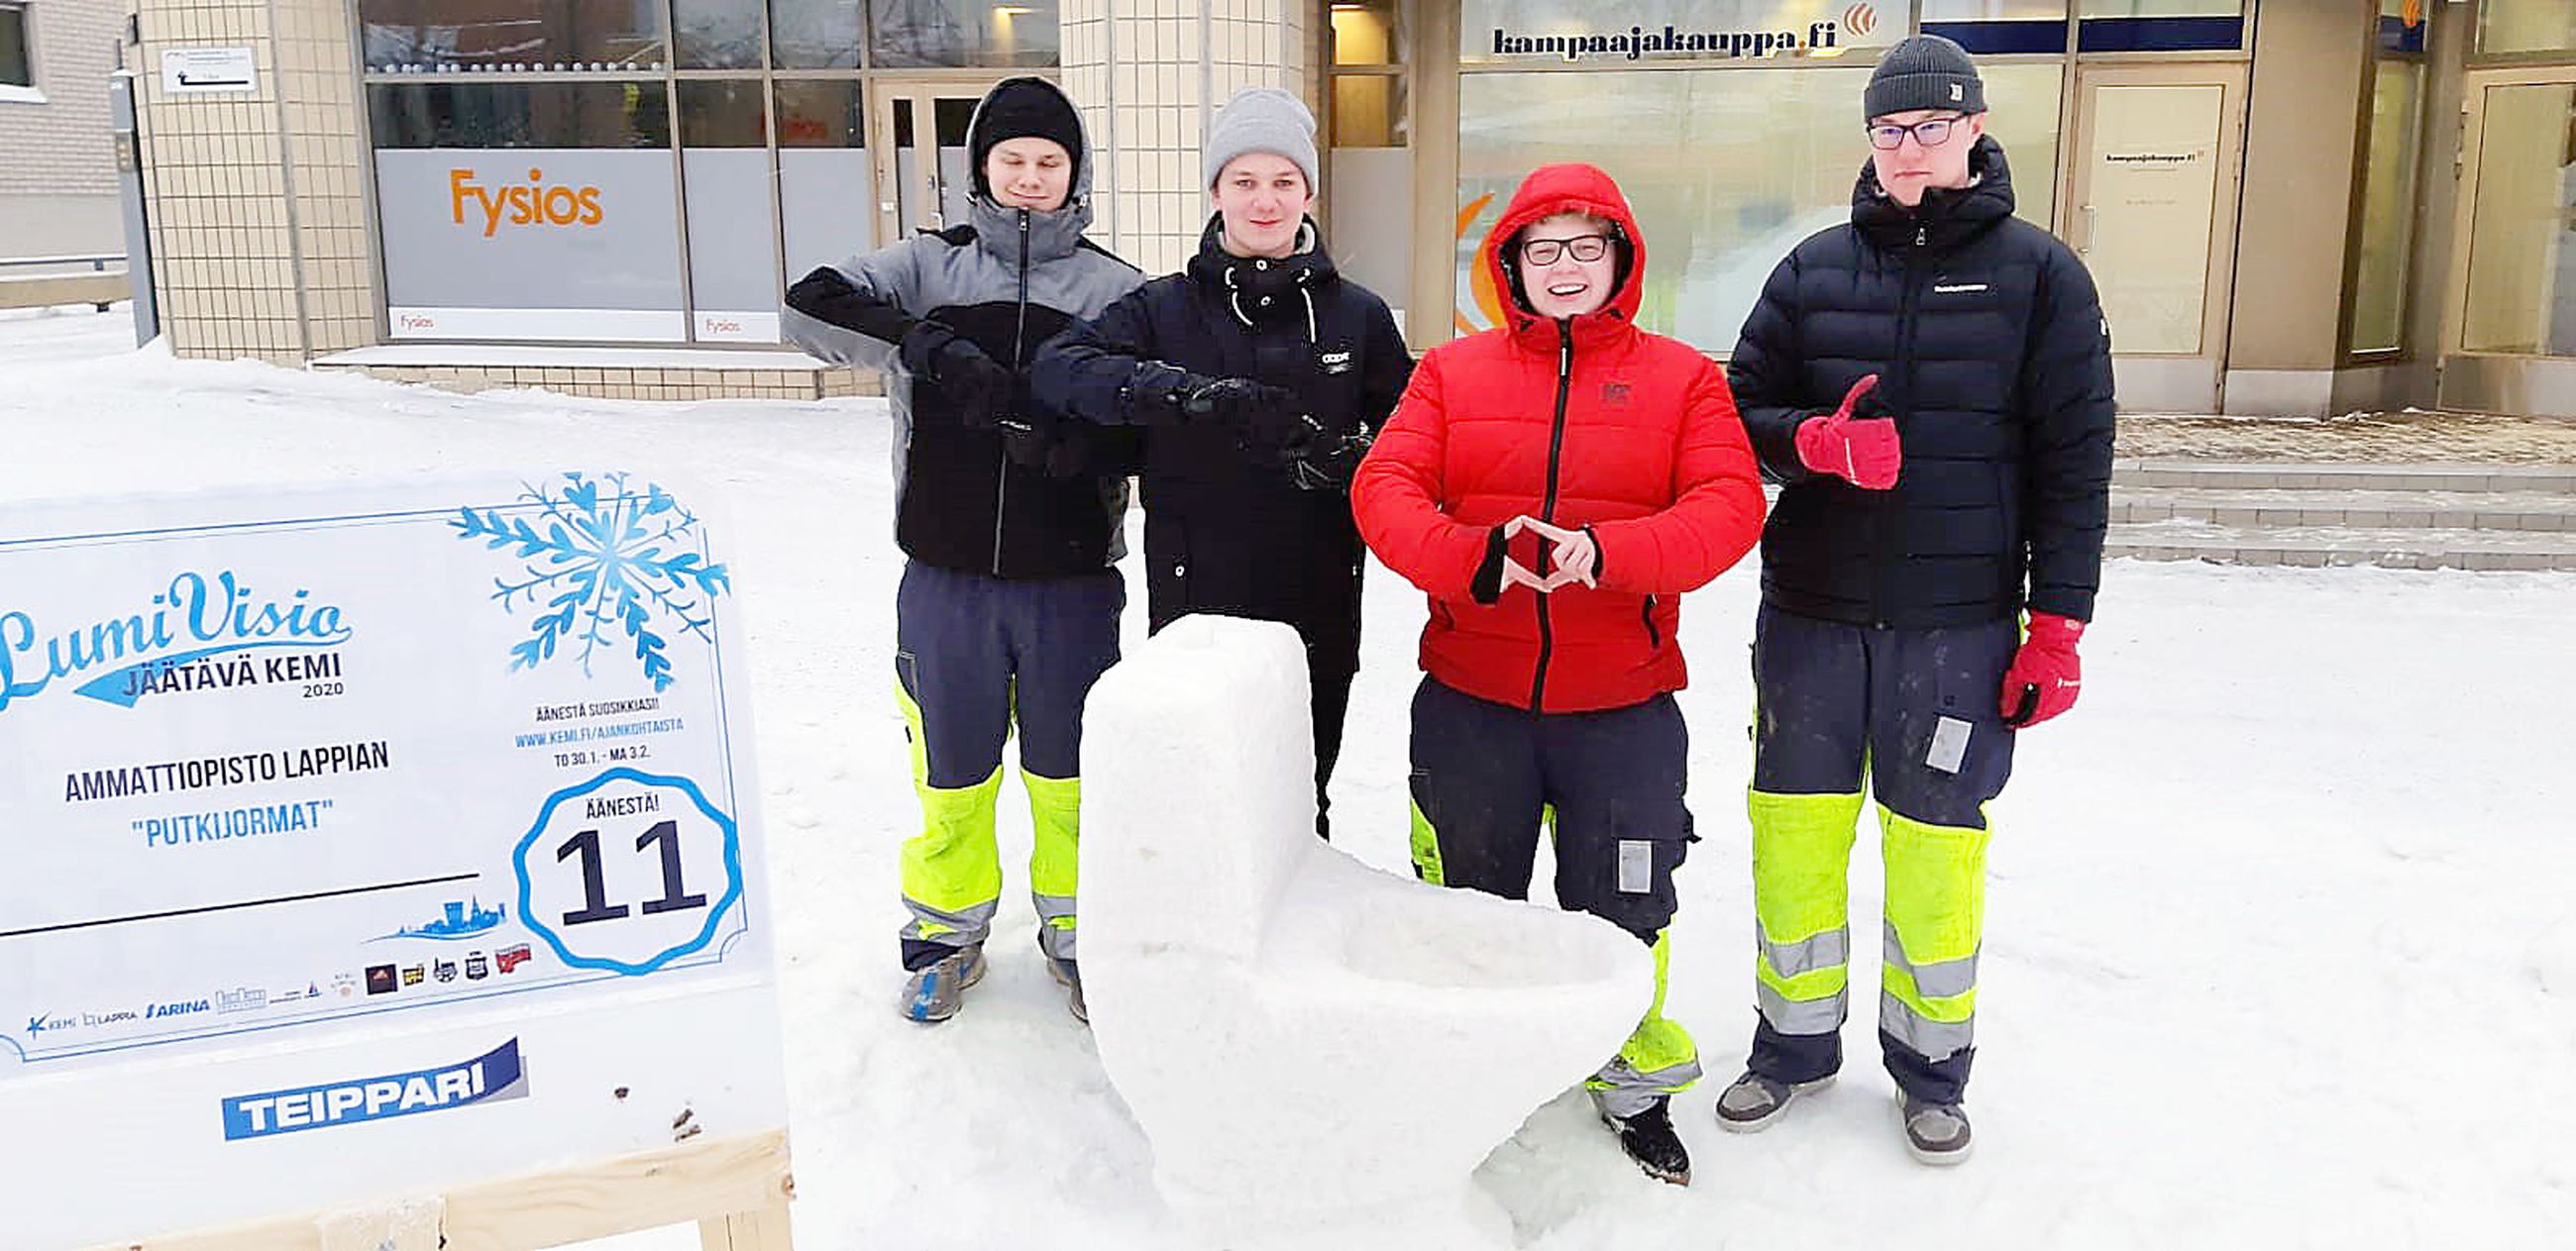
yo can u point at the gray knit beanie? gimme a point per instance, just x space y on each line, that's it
1924 72
1260 119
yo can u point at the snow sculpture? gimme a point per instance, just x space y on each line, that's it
1320 1053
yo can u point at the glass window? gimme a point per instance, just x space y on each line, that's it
722 114
519 115
911 33
2401 25
2526 26
2522 233
488 34
17 69
821 113
1368 111
1993 10
1370 33
2162 8
814 34
716 34
1744 164
2387 229
826 184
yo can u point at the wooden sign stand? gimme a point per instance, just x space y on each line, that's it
735 1189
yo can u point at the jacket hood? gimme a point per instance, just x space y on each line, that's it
1053 233
1571 188
1261 289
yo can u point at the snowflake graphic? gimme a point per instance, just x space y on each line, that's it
606 561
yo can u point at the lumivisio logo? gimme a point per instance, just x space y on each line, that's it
522 204
197 619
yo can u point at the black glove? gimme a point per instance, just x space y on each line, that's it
1327 463
1028 437
1159 393
978 389
1265 419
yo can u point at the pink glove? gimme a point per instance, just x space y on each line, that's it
1856 442
2045 675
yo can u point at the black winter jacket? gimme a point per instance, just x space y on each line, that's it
1992 352
1226 532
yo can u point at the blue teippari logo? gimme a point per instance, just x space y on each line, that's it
608 564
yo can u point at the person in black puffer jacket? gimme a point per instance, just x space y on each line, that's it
1259 376
1930 385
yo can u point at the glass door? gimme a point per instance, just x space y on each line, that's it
922 176
2509 325
2154 180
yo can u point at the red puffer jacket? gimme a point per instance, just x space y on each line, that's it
1587 421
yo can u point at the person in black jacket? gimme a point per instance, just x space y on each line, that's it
1259 375
1011 521
1930 385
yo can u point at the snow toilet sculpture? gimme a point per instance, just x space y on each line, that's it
1321 1053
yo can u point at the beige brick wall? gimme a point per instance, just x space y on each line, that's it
245 191
61 146
1148 74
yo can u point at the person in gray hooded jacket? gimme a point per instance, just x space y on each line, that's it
1011 518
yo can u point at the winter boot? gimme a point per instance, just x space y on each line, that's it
1648 1138
936 991
1935 1133
1068 974
1754 1101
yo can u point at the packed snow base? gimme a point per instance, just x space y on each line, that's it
2280 946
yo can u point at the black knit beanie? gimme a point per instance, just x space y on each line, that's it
1018 108
1924 72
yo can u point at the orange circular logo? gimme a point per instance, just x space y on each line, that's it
1860 19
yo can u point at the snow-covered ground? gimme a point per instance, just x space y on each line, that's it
2282 937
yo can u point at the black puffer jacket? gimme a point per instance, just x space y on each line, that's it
1990 347
1227 532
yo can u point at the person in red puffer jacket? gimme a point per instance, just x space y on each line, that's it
1555 485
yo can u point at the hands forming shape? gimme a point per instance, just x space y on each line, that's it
1577 556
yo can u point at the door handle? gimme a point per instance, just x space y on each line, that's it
2086 248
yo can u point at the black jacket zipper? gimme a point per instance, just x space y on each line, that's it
1547 511
1019 334
1888 532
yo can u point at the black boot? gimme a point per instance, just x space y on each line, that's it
1648 1138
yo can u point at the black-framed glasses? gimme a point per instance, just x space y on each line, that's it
1931 132
1585 248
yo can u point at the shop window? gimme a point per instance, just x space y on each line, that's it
815 34
1368 111
2522 232
1741 165
1610 32
716 34
2384 237
1999 27
2401 25
17 68
2526 26
733 241
923 33
2160 25
528 210
469 36
826 185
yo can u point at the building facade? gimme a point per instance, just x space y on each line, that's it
58 193
2293 206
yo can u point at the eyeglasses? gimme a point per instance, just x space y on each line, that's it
1931 132
1581 247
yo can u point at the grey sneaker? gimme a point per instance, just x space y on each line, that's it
1068 974
935 992
1754 1101
1935 1133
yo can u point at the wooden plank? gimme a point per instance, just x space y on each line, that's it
409 1227
764 1230
705 1181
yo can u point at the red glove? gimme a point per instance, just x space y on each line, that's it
2045 674
1859 449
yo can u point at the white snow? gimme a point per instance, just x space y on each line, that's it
2282 946
1241 974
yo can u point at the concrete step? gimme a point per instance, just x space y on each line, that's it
2345 476
2361 509
2411 547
